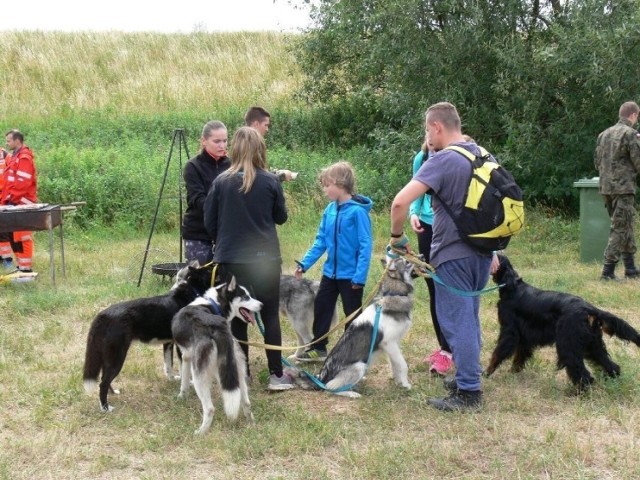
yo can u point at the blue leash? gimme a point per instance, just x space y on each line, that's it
316 380
391 253
462 293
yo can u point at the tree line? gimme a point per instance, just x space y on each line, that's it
534 80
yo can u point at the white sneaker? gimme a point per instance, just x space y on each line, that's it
285 382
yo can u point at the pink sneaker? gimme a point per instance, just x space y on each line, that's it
429 359
442 363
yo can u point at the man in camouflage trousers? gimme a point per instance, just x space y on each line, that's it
617 159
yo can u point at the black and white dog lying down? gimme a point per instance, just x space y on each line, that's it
146 320
209 351
346 363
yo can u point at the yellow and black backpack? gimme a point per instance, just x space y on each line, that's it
493 209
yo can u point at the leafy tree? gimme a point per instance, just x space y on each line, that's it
534 80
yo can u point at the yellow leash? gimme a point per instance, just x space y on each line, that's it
213 271
338 325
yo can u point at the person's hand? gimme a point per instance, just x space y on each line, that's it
400 243
298 273
288 175
495 264
355 286
415 223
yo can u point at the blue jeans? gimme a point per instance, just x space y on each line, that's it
459 316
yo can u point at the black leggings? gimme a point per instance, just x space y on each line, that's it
424 247
263 282
325 305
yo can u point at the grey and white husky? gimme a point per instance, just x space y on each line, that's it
209 350
346 363
296 303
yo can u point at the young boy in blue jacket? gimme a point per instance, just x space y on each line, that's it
345 234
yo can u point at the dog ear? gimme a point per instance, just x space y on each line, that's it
506 273
231 286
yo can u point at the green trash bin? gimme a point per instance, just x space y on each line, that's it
594 221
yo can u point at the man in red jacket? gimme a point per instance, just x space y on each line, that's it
5 259
19 188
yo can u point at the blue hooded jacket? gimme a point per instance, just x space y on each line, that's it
345 234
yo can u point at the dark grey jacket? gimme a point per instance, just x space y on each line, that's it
243 225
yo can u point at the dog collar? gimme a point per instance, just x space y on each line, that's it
390 293
215 307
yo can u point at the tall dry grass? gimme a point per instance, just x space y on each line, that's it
58 73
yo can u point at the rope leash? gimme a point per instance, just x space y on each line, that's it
349 386
428 271
336 327
311 376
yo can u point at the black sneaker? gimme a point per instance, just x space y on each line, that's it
313 355
458 401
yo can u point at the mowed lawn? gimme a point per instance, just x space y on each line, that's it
531 427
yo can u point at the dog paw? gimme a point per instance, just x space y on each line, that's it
182 395
347 393
172 376
403 383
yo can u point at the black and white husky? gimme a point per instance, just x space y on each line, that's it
297 297
346 363
202 332
147 320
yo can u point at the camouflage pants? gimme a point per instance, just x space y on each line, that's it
198 250
622 238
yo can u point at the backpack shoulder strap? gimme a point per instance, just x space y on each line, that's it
467 153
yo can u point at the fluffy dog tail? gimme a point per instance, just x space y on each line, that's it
92 358
230 366
616 326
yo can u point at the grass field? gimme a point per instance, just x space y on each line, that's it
96 104
530 428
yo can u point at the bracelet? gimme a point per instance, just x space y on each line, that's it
393 235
